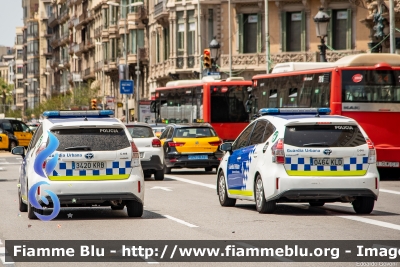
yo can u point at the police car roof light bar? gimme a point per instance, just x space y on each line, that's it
78 113
294 111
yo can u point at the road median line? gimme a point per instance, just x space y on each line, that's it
191 182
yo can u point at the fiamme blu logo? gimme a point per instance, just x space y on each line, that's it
44 172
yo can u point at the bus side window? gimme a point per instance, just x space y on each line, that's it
272 100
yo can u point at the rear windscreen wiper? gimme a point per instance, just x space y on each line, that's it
87 148
317 144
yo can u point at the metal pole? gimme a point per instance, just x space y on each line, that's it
391 27
126 62
230 38
322 48
199 36
137 80
267 35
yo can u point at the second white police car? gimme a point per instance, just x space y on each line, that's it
300 155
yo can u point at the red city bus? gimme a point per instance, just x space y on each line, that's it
365 87
222 103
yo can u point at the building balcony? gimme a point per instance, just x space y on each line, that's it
53 20
82 20
64 39
44 15
89 43
98 66
88 74
97 32
33 36
55 40
73 48
160 11
89 16
104 32
33 54
72 21
64 16
48 52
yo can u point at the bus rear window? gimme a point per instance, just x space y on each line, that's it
324 136
371 86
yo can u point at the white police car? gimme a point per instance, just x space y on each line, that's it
299 155
84 158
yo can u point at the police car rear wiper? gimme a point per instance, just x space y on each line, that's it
317 144
78 148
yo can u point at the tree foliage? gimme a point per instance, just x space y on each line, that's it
77 99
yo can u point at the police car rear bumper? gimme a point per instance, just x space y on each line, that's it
327 188
326 195
76 199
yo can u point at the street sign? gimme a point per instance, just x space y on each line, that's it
215 75
126 87
119 104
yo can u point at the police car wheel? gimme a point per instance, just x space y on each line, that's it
224 200
262 205
134 208
22 206
363 205
32 210
316 204
159 175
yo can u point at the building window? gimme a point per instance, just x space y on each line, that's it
19 70
20 39
166 43
210 24
133 39
180 33
191 30
105 18
339 35
158 51
293 31
250 37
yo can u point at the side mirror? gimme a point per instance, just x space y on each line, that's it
18 150
227 147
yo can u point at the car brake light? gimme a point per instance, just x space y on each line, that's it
175 144
135 162
138 186
278 152
323 122
215 143
371 152
376 183
38 190
44 164
156 142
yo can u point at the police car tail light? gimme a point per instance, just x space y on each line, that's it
135 155
216 143
278 152
42 147
371 152
175 144
156 142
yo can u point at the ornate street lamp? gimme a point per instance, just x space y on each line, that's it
321 22
214 47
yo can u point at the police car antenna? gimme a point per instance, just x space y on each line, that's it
317 115
85 119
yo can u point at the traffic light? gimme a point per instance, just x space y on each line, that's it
207 58
93 103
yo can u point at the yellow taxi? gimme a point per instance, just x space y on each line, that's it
17 128
191 146
7 140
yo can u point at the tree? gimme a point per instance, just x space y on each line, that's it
6 96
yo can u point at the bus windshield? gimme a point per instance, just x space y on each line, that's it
371 86
181 105
232 103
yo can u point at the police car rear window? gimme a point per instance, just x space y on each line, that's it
140 131
91 139
323 136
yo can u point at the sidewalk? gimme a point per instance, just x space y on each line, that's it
6 154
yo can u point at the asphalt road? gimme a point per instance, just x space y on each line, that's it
185 206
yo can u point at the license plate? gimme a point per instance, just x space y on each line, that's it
387 164
327 162
194 157
141 154
88 165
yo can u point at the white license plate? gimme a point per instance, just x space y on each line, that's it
89 165
327 162
141 154
387 164
194 157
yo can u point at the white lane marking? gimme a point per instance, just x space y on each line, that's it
162 188
8 163
2 169
180 221
250 246
389 191
371 221
192 182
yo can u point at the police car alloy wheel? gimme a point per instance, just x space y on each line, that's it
224 200
262 205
